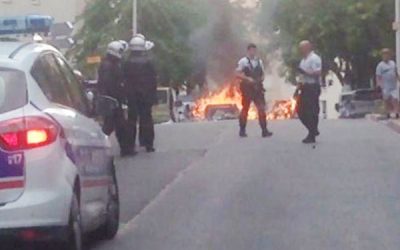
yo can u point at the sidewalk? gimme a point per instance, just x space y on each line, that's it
392 123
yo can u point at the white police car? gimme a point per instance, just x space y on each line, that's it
57 178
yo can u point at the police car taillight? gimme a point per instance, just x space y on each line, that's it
27 133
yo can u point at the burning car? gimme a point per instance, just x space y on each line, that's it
226 100
226 103
217 112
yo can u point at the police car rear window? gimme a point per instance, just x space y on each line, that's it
12 90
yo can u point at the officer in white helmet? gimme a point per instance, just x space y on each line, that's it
125 44
110 83
137 43
140 80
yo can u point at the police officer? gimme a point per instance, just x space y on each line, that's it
110 83
309 89
251 73
141 89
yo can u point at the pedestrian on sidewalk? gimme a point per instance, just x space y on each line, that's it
387 79
250 71
309 90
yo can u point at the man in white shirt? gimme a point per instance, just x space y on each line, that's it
310 70
250 71
386 78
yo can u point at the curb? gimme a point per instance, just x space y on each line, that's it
392 124
375 117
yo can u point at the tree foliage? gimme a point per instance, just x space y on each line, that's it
193 38
347 33
167 23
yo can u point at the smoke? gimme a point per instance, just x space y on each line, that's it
218 45
265 20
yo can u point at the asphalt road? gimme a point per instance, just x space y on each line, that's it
207 189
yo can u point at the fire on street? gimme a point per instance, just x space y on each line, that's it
229 95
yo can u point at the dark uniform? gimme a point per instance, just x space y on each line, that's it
253 92
141 89
308 107
110 84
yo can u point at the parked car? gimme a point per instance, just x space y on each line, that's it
163 111
57 177
358 103
183 108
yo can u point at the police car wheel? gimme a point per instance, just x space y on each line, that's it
75 235
110 228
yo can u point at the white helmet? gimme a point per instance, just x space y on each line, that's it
138 43
140 35
125 44
149 45
116 49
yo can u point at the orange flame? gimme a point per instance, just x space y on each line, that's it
283 110
230 95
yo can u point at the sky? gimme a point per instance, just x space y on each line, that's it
248 3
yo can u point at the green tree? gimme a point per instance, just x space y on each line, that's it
195 39
168 23
347 33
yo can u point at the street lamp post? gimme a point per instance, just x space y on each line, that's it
134 17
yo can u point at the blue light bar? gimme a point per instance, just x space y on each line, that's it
25 24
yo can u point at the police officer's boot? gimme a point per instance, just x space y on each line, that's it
310 139
125 152
150 149
242 133
266 133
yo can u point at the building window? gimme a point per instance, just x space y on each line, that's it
7 1
36 2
